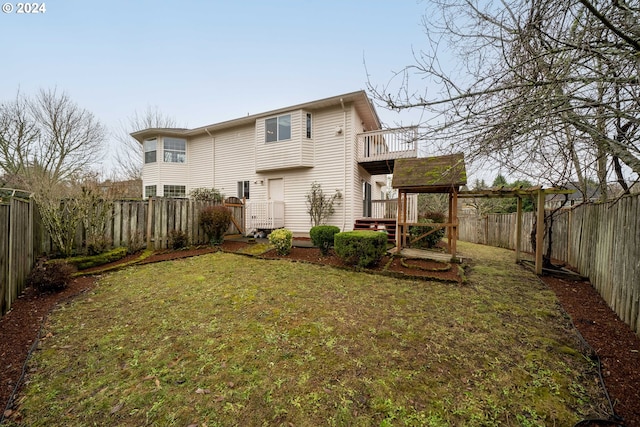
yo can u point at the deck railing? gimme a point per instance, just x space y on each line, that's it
264 215
387 144
388 209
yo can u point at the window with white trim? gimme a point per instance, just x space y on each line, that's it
150 191
150 147
243 189
175 150
175 191
277 128
309 123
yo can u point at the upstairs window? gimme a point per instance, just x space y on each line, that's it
243 189
278 128
149 146
309 125
175 150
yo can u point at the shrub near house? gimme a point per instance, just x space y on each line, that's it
361 247
215 220
323 237
282 239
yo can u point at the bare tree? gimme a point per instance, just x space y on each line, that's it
549 89
128 156
47 135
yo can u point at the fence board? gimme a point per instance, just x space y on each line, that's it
17 248
5 296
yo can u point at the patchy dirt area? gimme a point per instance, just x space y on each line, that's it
616 345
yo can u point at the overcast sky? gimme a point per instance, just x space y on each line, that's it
203 62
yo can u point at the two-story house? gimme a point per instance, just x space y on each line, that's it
272 159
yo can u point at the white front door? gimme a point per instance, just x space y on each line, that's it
276 189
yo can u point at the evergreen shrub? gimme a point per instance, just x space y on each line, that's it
215 220
363 248
282 239
322 236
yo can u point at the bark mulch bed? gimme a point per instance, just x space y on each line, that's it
617 347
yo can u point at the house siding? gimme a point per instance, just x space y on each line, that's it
329 172
221 158
295 152
360 176
234 161
161 173
200 159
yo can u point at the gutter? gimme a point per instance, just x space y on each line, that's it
344 174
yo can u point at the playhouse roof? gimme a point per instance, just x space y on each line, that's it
441 174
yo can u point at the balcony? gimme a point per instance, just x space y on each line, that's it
377 150
264 215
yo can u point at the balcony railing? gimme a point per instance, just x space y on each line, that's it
387 144
264 215
388 209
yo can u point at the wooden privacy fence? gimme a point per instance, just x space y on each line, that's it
138 223
601 241
17 238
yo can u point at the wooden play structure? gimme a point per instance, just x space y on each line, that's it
447 174
442 174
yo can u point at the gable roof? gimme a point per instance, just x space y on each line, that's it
359 99
430 174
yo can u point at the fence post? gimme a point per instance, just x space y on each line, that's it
540 232
518 227
11 285
149 221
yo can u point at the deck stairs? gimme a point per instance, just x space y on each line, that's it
387 224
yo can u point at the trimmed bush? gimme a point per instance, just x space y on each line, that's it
215 220
50 276
88 261
322 236
363 248
178 239
432 239
282 239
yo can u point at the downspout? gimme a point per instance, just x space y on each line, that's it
213 145
344 175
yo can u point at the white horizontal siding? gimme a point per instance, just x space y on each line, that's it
150 174
229 156
329 171
200 159
160 173
291 153
234 160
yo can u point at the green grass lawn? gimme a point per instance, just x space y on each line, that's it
225 339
